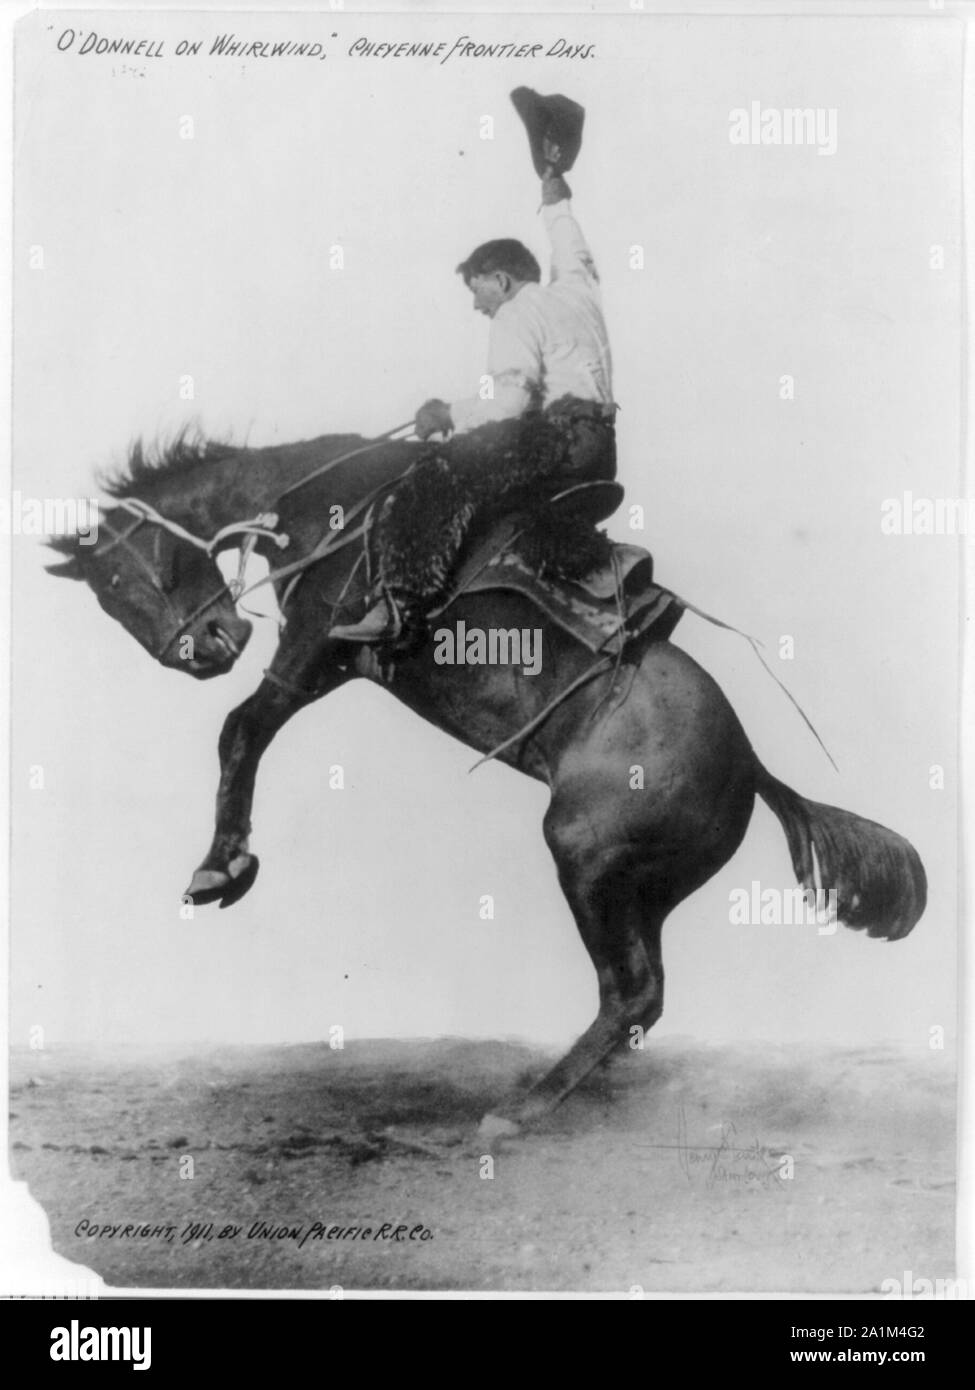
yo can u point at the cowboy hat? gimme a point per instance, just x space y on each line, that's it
556 119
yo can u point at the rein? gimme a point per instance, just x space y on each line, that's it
344 458
263 526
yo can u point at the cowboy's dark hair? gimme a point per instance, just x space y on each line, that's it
507 254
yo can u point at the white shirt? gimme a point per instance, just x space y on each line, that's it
548 339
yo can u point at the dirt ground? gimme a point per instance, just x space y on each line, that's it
680 1168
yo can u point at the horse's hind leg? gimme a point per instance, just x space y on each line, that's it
620 925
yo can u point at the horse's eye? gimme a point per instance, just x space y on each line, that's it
116 580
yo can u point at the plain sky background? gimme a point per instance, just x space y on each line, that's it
165 256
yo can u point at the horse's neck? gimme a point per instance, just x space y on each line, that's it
222 492
230 490
250 482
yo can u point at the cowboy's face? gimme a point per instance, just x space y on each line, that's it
490 291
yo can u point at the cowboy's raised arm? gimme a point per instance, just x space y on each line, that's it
571 257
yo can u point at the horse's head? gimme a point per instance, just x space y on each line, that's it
166 592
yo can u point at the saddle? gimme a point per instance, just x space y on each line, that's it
608 609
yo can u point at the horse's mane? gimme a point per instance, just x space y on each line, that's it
180 457
146 463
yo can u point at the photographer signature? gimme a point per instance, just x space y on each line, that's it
728 1161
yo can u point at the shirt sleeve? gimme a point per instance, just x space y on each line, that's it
571 257
514 372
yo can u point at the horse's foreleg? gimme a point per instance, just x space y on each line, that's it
229 868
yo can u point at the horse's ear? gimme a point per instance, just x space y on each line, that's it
67 568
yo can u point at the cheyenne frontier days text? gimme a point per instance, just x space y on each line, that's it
232 46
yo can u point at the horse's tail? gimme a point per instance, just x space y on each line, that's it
877 875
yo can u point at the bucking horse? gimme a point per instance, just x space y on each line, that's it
612 694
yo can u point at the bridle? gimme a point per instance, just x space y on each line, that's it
260 526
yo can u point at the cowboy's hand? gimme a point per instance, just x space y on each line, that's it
551 153
554 186
433 417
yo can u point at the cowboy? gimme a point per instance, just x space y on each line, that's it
546 419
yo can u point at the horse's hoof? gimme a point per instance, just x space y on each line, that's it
497 1127
206 886
243 871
